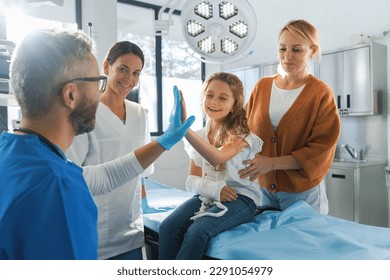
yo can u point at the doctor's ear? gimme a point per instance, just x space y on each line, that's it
68 95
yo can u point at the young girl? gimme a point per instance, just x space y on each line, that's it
222 199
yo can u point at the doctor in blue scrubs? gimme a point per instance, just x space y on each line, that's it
46 209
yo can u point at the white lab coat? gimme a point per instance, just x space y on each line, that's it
120 224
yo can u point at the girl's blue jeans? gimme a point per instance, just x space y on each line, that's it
183 239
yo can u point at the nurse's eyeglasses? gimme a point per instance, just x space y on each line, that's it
102 81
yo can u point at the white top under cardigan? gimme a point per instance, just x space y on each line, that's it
120 224
230 173
281 101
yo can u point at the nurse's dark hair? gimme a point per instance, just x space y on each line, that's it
124 47
43 62
235 123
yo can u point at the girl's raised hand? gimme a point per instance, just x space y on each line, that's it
183 106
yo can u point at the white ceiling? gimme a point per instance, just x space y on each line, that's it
155 2
177 3
337 21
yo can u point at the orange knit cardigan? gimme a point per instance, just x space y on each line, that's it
308 131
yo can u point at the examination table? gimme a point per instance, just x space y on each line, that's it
297 233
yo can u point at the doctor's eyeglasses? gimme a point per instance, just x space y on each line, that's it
102 81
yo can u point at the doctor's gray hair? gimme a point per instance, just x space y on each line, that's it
41 65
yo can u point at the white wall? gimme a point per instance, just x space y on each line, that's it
335 20
172 167
103 16
101 13
60 13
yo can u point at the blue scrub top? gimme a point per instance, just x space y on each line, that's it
46 209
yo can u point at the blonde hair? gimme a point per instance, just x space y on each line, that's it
235 123
306 32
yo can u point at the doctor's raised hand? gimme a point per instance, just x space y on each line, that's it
124 168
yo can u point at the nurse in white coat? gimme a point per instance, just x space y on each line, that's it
121 126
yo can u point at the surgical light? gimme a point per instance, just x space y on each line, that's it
229 28
218 31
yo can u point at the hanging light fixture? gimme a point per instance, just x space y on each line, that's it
218 31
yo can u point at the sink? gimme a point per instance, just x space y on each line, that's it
349 160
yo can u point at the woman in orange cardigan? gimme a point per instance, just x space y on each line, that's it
296 116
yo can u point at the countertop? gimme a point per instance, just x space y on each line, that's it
349 163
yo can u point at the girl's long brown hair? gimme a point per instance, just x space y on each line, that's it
235 123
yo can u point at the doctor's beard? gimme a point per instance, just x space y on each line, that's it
83 117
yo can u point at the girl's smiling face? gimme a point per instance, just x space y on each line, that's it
218 100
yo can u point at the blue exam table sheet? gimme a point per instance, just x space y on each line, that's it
297 233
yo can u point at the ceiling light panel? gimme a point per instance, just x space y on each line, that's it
218 30
239 28
228 46
204 10
206 45
227 10
194 28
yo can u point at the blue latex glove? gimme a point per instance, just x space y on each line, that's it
176 129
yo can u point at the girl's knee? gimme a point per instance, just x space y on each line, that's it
200 231
164 228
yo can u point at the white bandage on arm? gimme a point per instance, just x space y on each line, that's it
205 187
106 177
